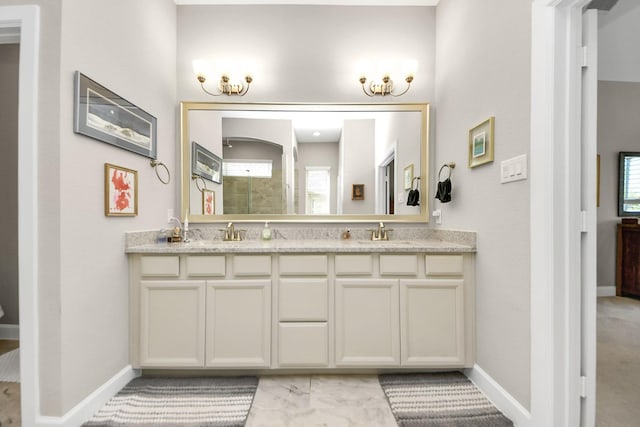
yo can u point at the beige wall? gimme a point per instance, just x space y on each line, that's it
9 54
483 69
128 47
306 53
618 130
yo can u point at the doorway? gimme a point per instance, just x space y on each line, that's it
386 185
25 22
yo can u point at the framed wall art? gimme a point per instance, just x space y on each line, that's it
208 202
357 192
204 163
408 177
120 191
101 114
481 143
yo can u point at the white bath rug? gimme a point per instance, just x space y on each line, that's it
10 366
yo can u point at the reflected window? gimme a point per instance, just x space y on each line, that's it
251 168
317 190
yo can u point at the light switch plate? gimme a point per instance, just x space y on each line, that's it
513 169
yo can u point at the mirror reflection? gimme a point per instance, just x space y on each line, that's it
303 162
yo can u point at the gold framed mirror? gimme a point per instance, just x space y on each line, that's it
302 162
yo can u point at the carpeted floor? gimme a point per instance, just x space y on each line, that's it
185 402
444 399
618 366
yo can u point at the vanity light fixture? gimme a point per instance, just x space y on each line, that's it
226 85
385 86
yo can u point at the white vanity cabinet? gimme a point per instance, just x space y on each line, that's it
367 322
190 311
303 311
412 310
295 311
172 323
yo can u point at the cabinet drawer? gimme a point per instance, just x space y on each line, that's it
349 265
166 266
303 265
399 265
252 265
199 266
443 265
303 344
303 299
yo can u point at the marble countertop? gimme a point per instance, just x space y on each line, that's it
302 246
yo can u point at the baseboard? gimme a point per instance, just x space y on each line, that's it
9 332
92 403
606 291
499 396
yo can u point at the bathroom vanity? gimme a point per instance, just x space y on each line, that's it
305 304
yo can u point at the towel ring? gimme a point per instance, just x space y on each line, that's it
446 165
204 183
155 164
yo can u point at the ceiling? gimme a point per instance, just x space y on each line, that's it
313 2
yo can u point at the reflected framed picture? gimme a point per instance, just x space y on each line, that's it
357 192
120 191
408 177
208 202
204 163
481 143
101 114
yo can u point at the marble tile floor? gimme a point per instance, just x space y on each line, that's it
9 392
320 400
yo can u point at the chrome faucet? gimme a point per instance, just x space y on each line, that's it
380 233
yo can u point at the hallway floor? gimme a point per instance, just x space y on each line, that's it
618 362
320 400
9 392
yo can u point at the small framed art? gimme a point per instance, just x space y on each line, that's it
208 202
408 177
120 191
357 192
481 143
205 164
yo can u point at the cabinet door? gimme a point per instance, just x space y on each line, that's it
367 322
432 322
238 323
172 323
628 276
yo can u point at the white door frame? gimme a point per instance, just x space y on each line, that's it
27 19
556 221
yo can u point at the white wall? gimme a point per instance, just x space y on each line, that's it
618 40
357 134
306 53
618 130
9 179
483 69
129 47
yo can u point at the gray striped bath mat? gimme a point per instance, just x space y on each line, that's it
443 399
188 402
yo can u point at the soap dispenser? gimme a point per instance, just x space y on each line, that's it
266 232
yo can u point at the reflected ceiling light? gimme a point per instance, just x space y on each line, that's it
385 85
316 133
226 85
